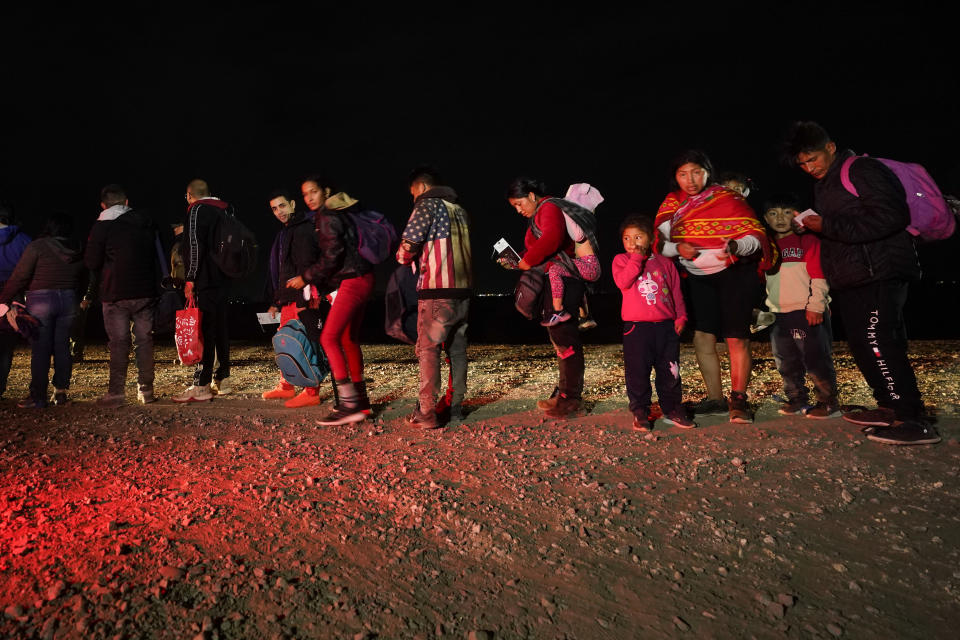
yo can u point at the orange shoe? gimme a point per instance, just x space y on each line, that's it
309 397
282 391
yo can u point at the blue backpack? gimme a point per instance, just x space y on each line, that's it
300 361
377 238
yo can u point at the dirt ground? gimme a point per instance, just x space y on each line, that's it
242 519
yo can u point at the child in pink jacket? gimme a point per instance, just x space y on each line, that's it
653 316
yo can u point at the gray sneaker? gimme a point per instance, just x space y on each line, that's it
145 396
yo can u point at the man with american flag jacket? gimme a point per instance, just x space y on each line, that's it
439 233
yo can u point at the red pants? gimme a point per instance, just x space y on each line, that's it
341 331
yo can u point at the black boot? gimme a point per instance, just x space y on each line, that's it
347 409
363 400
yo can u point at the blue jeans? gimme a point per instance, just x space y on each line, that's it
56 310
441 323
117 318
798 350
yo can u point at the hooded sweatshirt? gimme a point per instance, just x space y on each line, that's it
47 263
12 243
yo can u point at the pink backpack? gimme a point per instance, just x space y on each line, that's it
931 218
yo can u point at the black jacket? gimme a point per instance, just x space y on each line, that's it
196 244
296 251
47 263
124 252
864 239
338 258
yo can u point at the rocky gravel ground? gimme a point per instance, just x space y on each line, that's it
242 519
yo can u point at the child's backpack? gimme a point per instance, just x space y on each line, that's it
234 247
298 358
377 238
931 218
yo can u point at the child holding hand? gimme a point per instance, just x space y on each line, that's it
653 316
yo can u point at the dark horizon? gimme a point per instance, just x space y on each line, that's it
257 98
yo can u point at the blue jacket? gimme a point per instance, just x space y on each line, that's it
12 243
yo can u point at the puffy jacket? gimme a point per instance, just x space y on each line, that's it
294 250
124 252
46 263
338 258
864 239
12 243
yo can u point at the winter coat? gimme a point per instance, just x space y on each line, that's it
46 263
124 252
864 240
294 250
338 257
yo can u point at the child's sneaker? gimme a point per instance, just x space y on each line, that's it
711 407
680 420
792 407
556 318
586 323
823 410
642 424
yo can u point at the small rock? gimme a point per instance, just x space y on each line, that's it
56 589
855 586
776 609
835 630
548 606
14 611
737 462
846 496
839 567
786 599
171 573
480 635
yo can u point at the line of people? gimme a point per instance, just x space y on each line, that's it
854 247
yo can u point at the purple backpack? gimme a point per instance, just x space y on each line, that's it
931 218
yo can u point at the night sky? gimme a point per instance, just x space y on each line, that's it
255 98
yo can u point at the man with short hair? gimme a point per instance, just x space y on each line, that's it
869 261
207 287
12 243
294 250
122 249
438 231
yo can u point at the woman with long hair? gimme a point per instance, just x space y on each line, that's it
722 246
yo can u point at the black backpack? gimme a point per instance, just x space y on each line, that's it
234 248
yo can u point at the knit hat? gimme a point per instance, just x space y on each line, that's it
584 195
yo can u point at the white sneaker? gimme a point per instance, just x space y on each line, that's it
221 387
195 393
